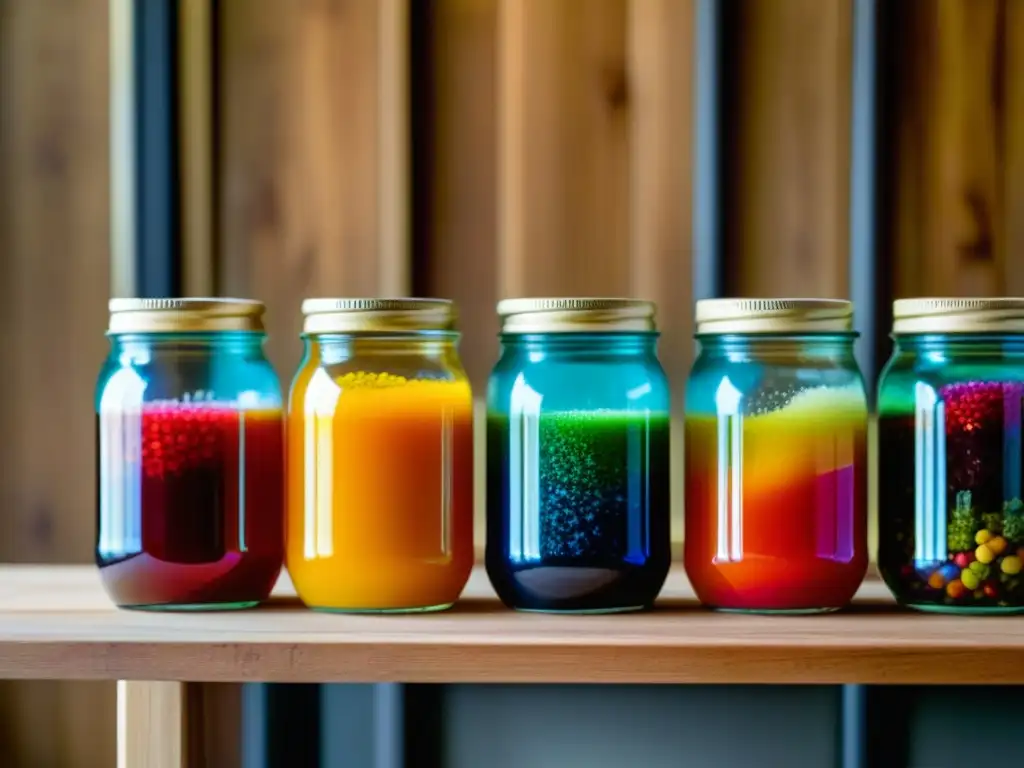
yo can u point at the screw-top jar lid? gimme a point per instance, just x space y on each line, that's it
715 316
576 315
378 315
942 315
185 315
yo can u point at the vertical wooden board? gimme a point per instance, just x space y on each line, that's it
1012 165
215 724
942 164
54 280
152 724
311 107
661 70
455 143
786 96
563 167
661 63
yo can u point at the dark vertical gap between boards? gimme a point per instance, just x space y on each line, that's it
420 717
888 726
156 180
424 726
422 97
291 730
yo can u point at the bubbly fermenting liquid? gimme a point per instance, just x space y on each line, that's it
190 505
776 503
578 509
380 500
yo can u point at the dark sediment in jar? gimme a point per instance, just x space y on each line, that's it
578 510
951 518
190 505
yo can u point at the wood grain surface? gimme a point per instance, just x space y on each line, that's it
57 623
312 156
54 283
786 84
151 724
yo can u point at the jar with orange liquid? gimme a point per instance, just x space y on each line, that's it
380 458
776 457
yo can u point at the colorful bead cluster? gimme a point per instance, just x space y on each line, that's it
982 573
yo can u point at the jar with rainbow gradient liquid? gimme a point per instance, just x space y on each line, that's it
776 457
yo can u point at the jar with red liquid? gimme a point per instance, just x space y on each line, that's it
189 427
776 457
950 503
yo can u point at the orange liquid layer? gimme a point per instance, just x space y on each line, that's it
776 520
380 492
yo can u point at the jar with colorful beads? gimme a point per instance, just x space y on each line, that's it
950 509
578 457
190 462
380 458
776 457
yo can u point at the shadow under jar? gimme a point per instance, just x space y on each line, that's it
190 464
380 458
776 457
578 457
950 509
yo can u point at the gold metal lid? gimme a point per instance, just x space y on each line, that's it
378 315
716 316
939 315
576 315
185 315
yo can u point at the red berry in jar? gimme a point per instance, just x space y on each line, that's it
991 589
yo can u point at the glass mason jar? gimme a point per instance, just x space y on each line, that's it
776 457
950 510
578 457
190 463
380 458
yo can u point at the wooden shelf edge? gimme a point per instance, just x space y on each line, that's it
497 663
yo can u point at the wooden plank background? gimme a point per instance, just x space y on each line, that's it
476 149
952 134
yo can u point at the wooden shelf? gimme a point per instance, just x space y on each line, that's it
57 623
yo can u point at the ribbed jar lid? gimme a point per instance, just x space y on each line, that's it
576 315
378 315
946 315
719 316
185 315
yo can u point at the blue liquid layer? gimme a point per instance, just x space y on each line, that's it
578 510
